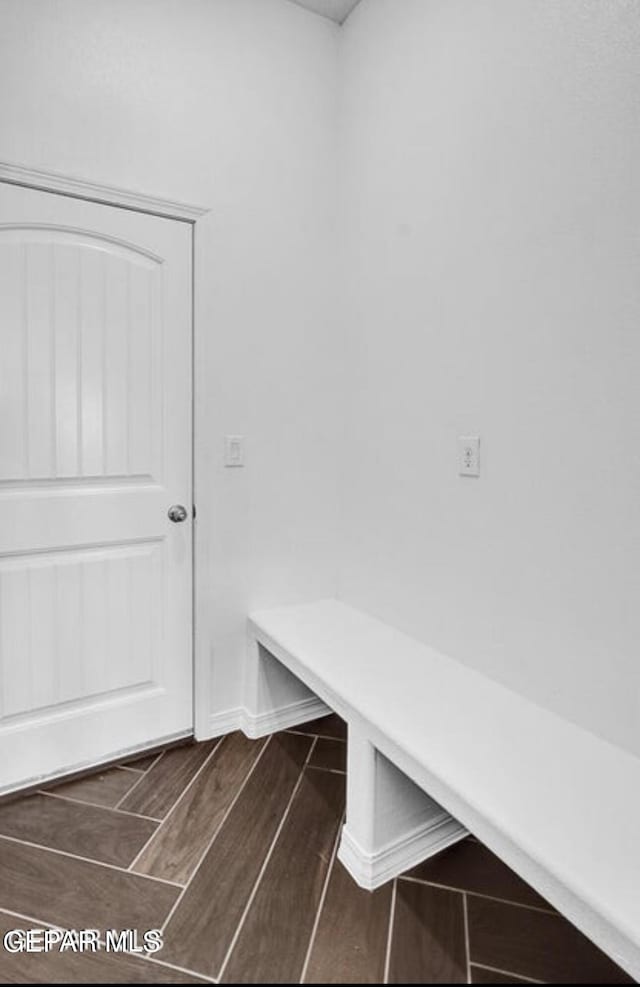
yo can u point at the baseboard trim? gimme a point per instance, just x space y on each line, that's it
371 870
224 722
256 725
259 724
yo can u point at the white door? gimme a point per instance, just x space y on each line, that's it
95 447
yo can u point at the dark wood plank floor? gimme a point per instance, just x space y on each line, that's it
429 936
229 848
286 901
178 846
163 783
85 830
350 944
203 928
105 788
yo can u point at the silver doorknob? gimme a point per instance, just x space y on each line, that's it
177 513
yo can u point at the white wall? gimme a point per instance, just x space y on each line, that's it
489 205
229 104
492 258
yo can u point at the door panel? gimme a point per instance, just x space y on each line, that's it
95 445
84 327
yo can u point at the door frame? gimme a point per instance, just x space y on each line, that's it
108 195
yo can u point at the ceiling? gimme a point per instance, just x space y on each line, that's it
335 10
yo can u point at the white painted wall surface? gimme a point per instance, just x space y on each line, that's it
229 104
489 215
492 257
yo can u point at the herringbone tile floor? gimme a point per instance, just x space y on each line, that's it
229 848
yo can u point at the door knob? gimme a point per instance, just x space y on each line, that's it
177 513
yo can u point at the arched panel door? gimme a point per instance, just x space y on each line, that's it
95 447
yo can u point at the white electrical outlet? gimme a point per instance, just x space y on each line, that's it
234 450
469 455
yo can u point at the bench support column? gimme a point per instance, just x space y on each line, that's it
274 698
391 823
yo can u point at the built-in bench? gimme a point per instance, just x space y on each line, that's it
436 749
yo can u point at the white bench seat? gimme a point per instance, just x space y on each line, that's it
558 804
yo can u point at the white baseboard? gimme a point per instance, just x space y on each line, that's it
370 870
226 721
261 724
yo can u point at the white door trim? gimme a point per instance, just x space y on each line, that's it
80 188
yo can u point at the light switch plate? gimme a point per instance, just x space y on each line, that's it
234 450
469 455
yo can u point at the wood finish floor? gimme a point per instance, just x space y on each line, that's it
229 847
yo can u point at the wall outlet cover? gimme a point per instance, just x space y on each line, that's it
469 455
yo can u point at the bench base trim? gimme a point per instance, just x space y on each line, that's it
226 721
371 870
262 724
291 715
